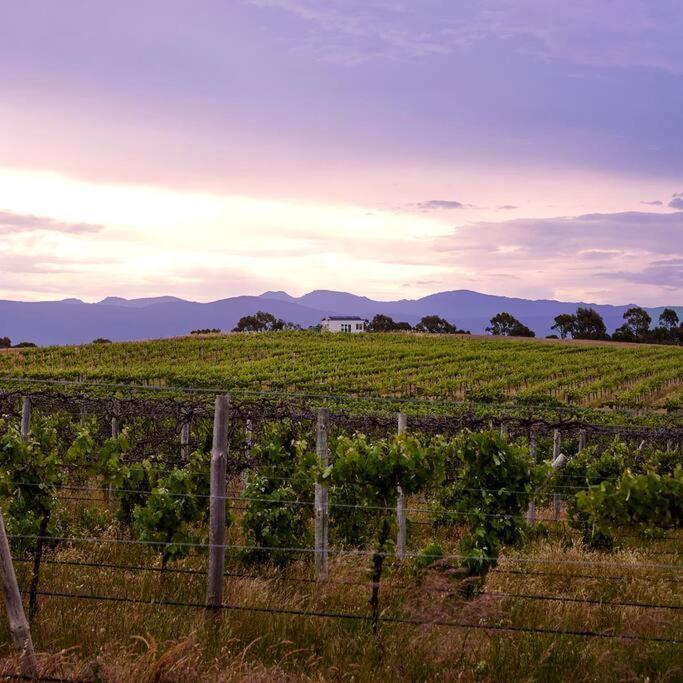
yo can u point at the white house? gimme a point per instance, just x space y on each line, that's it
340 323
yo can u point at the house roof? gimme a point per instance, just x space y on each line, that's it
345 317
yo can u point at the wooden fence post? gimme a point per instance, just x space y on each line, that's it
25 418
214 588
18 625
83 417
557 499
582 439
115 432
250 432
321 498
531 512
503 429
185 441
402 538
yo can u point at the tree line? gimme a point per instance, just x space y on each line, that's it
586 323
6 343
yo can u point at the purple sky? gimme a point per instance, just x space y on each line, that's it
387 147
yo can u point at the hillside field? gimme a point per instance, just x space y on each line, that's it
393 365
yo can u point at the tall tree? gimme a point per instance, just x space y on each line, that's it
5 343
589 325
385 323
564 324
638 321
260 322
435 325
668 319
506 325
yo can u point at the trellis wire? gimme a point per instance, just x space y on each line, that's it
360 617
362 584
349 552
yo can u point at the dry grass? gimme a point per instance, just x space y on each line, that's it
107 641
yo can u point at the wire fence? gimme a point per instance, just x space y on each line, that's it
260 408
360 617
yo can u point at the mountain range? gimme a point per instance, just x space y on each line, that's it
72 321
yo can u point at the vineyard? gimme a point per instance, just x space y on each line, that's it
447 368
161 534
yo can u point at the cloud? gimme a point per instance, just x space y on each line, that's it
607 257
13 223
658 233
666 273
508 207
582 32
439 204
654 202
676 203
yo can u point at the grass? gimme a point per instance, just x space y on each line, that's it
122 642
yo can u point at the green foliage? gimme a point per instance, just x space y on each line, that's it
429 366
136 484
177 500
649 501
365 475
429 554
279 512
495 482
30 473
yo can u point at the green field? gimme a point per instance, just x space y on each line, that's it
392 365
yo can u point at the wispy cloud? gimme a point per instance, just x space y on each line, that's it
583 32
13 223
654 202
439 205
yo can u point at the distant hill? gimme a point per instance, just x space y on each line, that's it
72 321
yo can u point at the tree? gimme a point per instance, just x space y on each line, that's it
382 323
385 323
564 324
638 321
522 331
435 325
502 324
5 342
506 325
668 319
260 322
624 334
589 325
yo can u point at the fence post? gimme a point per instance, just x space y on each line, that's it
531 512
250 432
185 441
25 418
249 429
503 429
214 588
582 439
321 498
114 435
18 625
83 417
401 502
557 499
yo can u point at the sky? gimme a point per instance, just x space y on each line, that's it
390 148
